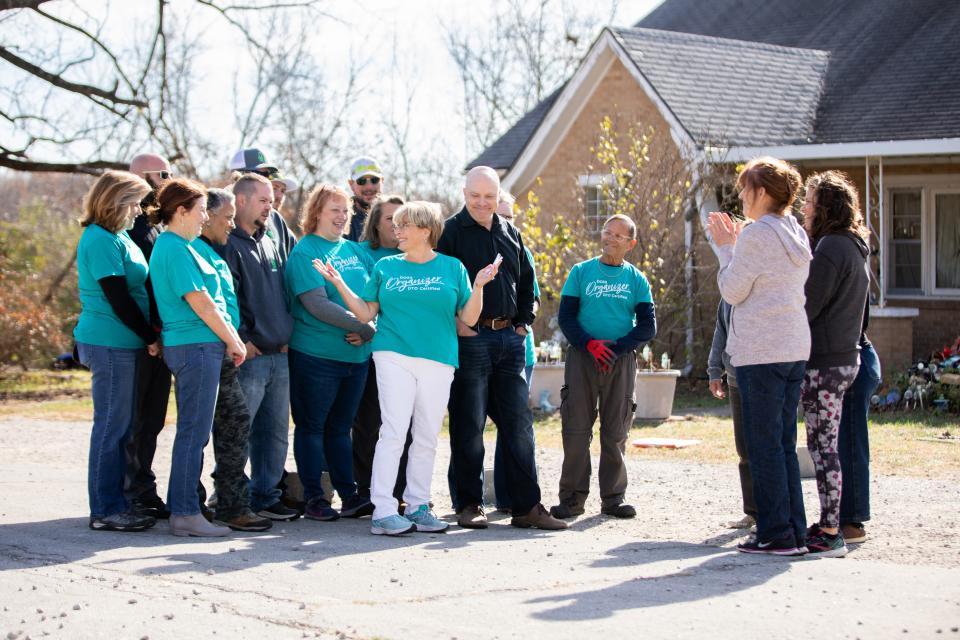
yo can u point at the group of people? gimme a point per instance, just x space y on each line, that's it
791 331
382 317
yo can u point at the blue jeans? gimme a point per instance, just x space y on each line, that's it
324 397
500 489
196 371
770 394
490 382
113 387
265 381
854 441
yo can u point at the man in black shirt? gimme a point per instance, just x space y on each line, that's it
490 378
153 377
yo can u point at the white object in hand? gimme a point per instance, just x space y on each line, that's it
497 260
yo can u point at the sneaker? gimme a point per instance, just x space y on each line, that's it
126 521
320 509
197 527
785 545
395 525
565 510
152 506
619 511
425 520
823 545
539 518
853 533
279 511
472 517
746 522
356 506
246 521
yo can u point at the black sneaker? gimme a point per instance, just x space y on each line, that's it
785 545
127 521
565 511
356 506
619 511
319 509
280 512
152 506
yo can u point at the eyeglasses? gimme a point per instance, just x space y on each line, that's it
615 236
403 227
164 174
364 179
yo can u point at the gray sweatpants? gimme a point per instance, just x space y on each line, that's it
585 395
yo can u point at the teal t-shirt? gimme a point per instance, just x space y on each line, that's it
101 254
608 297
377 254
176 269
311 336
528 342
208 253
418 306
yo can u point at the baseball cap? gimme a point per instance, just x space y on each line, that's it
250 160
365 166
291 184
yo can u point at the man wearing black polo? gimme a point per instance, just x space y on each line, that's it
490 378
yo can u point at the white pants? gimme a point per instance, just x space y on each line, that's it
408 387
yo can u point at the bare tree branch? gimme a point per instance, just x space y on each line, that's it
82 89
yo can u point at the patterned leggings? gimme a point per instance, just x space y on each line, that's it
822 398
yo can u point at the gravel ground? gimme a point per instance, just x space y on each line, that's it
670 572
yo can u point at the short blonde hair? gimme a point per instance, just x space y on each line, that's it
110 196
424 215
310 216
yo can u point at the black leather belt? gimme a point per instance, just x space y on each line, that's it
495 323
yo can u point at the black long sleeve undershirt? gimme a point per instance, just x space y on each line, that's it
643 331
123 304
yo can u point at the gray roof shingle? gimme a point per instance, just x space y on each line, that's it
731 91
891 72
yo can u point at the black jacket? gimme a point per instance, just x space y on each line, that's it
510 294
836 293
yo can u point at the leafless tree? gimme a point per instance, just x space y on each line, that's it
80 98
528 51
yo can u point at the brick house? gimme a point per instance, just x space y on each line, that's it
869 87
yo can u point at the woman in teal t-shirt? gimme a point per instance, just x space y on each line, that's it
112 330
379 238
197 332
418 297
327 372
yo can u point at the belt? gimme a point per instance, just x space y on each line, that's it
495 323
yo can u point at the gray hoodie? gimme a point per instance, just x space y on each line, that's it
763 276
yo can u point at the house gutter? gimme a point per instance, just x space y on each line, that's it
890 148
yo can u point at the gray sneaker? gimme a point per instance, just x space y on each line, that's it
196 526
126 521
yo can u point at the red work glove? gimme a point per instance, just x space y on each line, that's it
603 356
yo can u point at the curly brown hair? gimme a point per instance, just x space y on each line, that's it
836 206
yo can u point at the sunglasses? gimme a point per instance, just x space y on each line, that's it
363 180
164 174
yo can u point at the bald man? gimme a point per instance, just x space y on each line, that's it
490 379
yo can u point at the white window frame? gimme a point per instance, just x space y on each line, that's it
592 183
929 186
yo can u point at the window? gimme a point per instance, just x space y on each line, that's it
905 248
596 204
597 208
922 226
946 227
